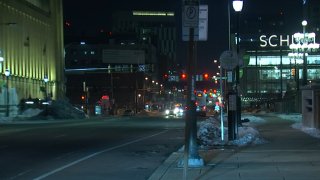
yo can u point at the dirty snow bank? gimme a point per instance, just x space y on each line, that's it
209 133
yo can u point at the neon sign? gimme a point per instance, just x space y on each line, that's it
275 40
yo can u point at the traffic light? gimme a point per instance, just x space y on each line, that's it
83 99
205 76
214 91
165 77
183 76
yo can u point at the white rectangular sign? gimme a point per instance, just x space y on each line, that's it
203 23
201 30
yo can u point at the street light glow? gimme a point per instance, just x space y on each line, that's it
7 72
237 5
45 79
1 57
304 23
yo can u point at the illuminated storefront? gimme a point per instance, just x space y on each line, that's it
270 71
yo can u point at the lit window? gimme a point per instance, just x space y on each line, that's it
92 52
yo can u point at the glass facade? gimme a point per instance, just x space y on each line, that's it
266 75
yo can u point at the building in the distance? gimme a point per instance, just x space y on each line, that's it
31 49
129 68
123 73
158 28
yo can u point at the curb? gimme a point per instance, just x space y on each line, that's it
165 166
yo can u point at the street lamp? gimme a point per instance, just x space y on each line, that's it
1 61
7 73
237 6
46 79
305 41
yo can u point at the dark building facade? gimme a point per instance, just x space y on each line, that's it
128 64
116 71
149 27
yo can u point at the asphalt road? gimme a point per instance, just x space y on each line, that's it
105 148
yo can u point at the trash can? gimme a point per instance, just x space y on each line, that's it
310 106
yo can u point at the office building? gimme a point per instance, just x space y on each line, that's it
31 46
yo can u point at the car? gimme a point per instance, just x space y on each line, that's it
176 111
201 111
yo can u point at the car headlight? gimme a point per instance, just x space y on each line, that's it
167 111
181 111
176 110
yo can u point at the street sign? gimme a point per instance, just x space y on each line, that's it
191 16
228 60
203 22
141 68
200 24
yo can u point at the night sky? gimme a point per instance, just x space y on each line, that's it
88 17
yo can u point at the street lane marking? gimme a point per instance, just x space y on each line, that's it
20 174
95 154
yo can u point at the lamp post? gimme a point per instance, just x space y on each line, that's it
46 79
1 61
305 42
7 73
237 6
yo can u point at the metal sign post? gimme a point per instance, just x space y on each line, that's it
191 155
229 61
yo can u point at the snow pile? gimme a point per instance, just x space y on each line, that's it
209 133
247 135
314 132
5 119
291 117
60 109
30 112
253 119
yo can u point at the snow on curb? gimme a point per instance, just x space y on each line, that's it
209 133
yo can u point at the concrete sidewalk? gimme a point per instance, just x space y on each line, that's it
288 154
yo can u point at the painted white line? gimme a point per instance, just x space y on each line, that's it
94 154
20 174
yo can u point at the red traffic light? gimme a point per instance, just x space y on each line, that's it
205 76
183 76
